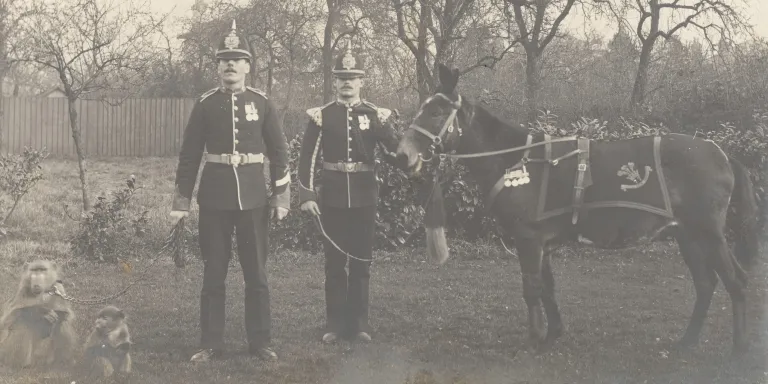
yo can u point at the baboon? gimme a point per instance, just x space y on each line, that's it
36 325
107 348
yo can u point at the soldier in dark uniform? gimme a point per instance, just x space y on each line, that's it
237 126
346 133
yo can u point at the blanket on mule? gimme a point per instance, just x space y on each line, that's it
580 174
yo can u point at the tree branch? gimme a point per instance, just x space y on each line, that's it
556 24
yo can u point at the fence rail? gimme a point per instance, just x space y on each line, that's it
132 127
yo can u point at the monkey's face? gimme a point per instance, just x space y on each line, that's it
108 319
40 277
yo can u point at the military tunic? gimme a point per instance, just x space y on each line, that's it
341 140
345 136
227 123
232 197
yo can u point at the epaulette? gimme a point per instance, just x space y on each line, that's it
316 114
256 91
382 113
208 93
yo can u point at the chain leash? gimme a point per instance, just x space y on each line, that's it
55 291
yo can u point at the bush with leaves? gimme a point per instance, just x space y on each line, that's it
111 230
18 174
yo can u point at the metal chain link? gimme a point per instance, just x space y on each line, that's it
54 291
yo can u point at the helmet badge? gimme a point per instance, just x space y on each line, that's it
232 41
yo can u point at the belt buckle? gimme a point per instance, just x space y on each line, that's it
349 167
234 159
582 167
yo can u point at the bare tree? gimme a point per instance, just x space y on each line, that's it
536 23
12 13
92 46
433 30
713 18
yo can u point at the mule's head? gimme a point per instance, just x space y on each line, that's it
435 128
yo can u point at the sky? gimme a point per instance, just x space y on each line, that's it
753 9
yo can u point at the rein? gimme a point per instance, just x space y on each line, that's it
448 126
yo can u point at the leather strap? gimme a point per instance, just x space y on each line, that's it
578 188
348 167
235 159
500 183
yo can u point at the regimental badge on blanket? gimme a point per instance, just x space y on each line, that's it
630 173
364 122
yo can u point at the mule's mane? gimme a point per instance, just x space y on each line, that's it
496 131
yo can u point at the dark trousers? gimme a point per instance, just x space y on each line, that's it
251 230
346 297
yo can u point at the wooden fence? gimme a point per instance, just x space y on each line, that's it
135 127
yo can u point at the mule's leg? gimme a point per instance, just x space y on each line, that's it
735 281
530 256
554 322
704 281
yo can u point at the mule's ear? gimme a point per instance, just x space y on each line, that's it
447 78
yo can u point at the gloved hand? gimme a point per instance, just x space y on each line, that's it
178 215
278 212
311 207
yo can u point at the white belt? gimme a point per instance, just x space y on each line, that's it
235 159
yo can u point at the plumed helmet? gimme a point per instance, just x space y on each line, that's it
234 46
347 65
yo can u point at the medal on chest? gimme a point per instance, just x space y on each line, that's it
251 113
364 122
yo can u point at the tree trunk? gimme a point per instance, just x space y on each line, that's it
270 73
333 16
80 153
641 78
422 68
532 82
288 95
3 71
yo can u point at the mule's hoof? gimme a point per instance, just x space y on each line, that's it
555 333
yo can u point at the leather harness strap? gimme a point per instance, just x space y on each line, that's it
348 167
578 188
500 183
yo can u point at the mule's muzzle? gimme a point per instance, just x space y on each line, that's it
408 156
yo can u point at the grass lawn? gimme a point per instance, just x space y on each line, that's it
464 322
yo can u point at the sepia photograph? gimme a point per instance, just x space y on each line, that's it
384 191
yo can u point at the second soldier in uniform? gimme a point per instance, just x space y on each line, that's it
345 133
237 125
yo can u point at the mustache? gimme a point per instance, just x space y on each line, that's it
230 70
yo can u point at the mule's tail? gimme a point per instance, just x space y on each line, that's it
743 220
434 222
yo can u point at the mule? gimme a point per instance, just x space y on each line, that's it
545 191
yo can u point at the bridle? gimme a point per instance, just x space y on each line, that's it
448 127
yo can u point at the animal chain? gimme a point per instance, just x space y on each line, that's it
54 291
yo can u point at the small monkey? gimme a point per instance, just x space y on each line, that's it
36 325
108 347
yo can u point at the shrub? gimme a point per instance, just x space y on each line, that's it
18 174
110 230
